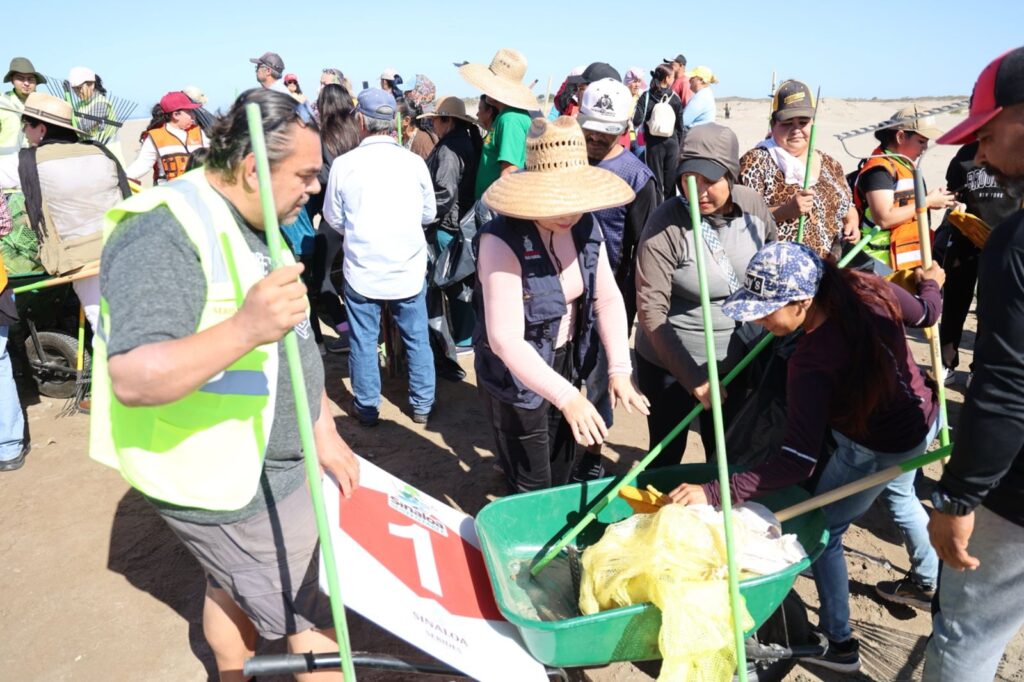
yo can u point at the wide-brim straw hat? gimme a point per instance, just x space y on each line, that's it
557 180
452 107
503 79
50 110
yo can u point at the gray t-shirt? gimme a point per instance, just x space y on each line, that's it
155 289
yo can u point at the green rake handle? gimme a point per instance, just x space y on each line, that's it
291 347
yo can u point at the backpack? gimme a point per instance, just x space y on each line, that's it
663 118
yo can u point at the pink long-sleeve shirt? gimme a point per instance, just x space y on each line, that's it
502 280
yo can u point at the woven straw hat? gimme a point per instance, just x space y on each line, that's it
452 107
50 110
503 79
558 180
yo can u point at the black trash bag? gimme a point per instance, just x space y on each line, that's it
758 430
453 265
446 359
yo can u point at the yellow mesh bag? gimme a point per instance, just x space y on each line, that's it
675 559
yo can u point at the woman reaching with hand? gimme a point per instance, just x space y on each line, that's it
544 288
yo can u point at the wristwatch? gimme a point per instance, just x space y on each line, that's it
947 505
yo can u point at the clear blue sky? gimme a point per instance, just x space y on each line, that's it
143 49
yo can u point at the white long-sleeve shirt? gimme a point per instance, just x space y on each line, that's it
379 196
143 164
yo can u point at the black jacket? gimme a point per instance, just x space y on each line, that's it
645 106
452 165
987 464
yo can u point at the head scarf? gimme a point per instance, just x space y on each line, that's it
422 93
635 75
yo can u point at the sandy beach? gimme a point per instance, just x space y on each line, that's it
95 586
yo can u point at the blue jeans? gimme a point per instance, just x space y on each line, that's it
597 385
12 422
980 610
410 314
852 462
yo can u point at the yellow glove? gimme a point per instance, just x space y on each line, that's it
972 227
644 501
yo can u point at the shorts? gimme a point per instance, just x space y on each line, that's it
268 563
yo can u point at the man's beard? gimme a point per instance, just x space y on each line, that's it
1014 186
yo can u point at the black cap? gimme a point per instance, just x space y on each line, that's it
679 58
271 60
792 100
594 73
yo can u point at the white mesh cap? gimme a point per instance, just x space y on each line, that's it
605 107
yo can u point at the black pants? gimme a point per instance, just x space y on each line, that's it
535 447
961 265
662 158
326 247
670 402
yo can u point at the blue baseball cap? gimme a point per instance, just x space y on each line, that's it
376 103
780 273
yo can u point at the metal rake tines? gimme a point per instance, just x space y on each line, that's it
891 122
119 109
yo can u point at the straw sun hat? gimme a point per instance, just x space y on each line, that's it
503 79
50 110
558 180
450 107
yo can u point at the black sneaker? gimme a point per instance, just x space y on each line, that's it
365 419
337 346
906 591
420 417
589 468
843 657
17 462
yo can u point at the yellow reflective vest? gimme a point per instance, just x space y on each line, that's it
206 450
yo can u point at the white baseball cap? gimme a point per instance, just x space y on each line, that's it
81 74
605 107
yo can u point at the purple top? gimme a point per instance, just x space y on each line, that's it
815 384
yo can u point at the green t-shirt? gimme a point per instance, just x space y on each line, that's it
507 142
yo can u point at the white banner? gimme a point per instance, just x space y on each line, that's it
413 566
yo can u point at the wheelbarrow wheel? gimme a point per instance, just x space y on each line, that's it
788 626
59 350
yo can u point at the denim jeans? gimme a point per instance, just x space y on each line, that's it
410 314
852 462
12 422
979 611
597 385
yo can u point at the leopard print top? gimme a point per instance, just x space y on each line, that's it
831 202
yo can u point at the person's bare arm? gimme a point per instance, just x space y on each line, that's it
887 215
162 372
507 168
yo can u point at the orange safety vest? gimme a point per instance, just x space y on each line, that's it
902 241
172 154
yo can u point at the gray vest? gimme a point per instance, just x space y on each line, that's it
543 306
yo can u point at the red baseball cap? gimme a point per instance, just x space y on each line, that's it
176 101
1001 84
291 78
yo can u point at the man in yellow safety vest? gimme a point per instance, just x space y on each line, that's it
192 402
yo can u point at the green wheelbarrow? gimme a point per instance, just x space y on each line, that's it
516 529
